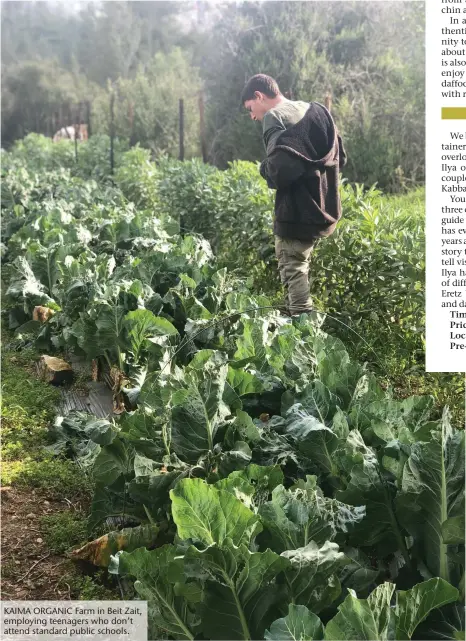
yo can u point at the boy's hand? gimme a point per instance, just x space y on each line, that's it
265 176
262 169
281 169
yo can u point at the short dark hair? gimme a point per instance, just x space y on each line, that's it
260 82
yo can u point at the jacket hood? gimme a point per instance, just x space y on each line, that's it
312 138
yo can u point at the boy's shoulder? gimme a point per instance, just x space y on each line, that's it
285 114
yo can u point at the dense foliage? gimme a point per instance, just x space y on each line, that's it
368 277
267 484
370 273
368 55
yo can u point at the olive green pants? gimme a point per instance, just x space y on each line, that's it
293 264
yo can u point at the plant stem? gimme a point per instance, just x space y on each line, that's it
444 572
396 528
306 534
242 618
49 275
169 607
124 502
165 438
149 515
107 359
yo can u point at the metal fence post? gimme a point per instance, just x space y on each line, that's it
112 129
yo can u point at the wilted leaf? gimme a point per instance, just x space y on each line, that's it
99 551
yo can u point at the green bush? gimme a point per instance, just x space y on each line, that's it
41 154
369 56
146 107
37 153
138 178
34 89
232 209
369 273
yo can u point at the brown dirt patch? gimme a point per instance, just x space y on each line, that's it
29 571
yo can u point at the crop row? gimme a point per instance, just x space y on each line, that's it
266 484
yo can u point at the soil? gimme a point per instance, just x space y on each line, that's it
29 571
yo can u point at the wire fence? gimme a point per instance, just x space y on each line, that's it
74 121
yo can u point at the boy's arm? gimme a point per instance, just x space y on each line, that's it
280 168
272 127
263 173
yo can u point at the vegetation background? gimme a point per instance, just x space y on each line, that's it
92 243
368 55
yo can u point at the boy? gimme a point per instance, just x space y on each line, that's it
304 156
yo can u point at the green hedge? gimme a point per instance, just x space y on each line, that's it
369 274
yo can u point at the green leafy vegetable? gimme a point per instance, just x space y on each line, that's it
207 515
432 492
298 625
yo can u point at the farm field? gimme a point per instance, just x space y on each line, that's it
261 478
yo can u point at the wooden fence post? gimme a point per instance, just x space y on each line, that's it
77 131
76 134
328 100
132 140
202 127
181 129
68 118
88 117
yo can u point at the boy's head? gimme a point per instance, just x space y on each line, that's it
260 94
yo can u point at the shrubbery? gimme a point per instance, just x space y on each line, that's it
39 154
226 407
369 273
368 276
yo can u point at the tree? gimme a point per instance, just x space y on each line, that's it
363 52
151 98
37 30
369 55
32 92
